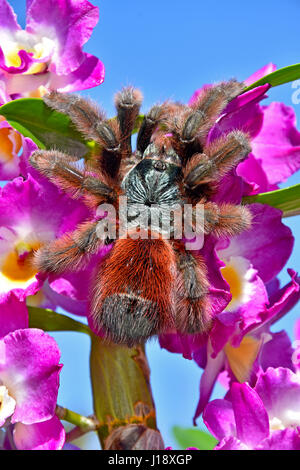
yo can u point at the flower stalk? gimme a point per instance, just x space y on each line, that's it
122 396
85 423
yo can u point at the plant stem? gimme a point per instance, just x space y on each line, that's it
86 424
123 401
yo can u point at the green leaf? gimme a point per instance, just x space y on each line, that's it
46 127
193 437
279 77
286 199
121 389
48 320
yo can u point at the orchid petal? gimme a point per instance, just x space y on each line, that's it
49 435
252 422
29 368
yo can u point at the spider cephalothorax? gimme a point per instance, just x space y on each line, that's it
147 284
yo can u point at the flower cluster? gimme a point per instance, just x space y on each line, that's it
263 417
241 351
29 381
46 55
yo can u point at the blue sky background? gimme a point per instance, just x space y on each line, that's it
169 49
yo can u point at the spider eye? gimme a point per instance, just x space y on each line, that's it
160 165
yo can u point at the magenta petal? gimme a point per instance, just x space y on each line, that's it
277 352
246 98
297 329
88 75
265 70
277 146
20 83
286 439
208 380
221 332
76 286
49 435
172 343
71 290
279 390
41 206
252 172
250 312
13 315
273 286
29 368
267 245
247 117
231 443
218 417
252 422
21 293
72 23
78 307
183 344
230 189
4 97
8 19
223 328
282 301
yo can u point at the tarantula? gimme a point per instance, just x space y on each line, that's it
144 287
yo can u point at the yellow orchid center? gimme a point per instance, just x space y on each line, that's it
39 47
38 93
12 58
18 264
230 275
10 143
238 273
241 359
